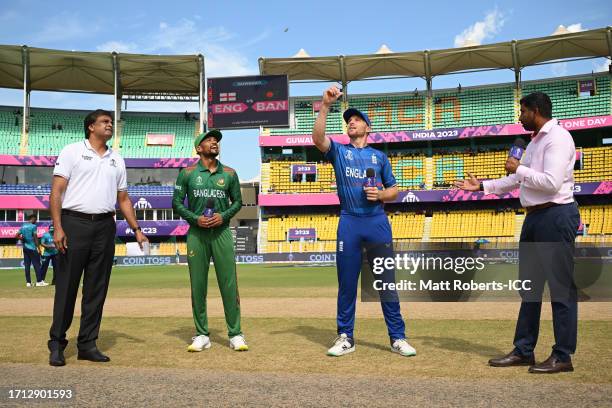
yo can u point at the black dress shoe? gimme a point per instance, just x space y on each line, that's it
56 358
512 360
93 355
552 365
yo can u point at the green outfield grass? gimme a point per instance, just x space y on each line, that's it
173 281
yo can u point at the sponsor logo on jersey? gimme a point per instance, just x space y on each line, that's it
373 159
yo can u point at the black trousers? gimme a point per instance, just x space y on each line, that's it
91 248
547 255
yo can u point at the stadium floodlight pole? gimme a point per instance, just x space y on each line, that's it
343 79
25 58
202 88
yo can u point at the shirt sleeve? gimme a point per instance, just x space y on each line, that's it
557 157
64 163
236 198
388 180
122 180
501 185
332 152
178 198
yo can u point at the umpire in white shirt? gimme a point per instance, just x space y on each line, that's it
88 180
545 176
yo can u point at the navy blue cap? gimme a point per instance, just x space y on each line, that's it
351 112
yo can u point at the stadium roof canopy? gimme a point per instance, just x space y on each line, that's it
513 55
57 70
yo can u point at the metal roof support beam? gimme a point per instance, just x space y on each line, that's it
202 101
343 79
117 94
261 65
517 66
427 66
25 59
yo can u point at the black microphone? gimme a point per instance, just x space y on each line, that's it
371 177
210 208
517 150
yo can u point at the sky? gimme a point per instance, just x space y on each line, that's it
233 34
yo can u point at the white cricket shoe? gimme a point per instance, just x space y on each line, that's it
42 283
28 285
199 343
238 343
402 347
342 345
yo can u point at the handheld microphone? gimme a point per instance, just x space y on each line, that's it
371 177
517 149
209 211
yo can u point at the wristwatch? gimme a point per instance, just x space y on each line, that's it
481 188
140 229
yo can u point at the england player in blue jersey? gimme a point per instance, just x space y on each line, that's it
363 221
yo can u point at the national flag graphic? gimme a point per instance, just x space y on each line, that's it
227 96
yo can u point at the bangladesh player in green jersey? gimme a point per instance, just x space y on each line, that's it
213 198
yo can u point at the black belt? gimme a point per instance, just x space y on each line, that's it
533 208
90 217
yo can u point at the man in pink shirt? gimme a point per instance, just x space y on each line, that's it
545 179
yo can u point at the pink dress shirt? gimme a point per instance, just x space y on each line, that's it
546 172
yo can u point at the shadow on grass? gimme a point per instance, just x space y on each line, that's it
107 340
324 337
459 345
185 333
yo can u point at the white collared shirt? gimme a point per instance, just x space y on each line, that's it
93 180
546 173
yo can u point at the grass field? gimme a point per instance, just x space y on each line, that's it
289 321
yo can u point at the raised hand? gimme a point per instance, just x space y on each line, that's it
331 95
469 184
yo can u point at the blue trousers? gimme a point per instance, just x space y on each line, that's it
547 255
46 259
354 233
32 258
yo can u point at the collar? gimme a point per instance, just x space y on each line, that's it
107 152
218 170
545 129
350 145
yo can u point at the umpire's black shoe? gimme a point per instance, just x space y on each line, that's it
93 355
56 358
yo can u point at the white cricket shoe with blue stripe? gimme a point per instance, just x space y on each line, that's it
402 347
342 345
